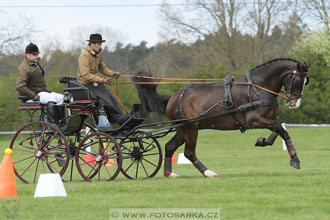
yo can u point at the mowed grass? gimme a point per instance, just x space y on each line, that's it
253 183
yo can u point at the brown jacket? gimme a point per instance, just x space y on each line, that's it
30 80
89 65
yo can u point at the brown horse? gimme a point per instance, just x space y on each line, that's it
245 99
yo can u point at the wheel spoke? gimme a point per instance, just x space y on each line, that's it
92 147
39 141
150 162
43 165
99 172
35 174
57 158
145 170
107 170
93 168
19 149
137 170
57 148
35 138
150 144
28 142
28 167
87 153
17 161
52 166
51 139
151 154
105 150
99 144
129 166
87 162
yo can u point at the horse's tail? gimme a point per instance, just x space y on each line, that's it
150 99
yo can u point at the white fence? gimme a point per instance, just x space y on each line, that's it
283 124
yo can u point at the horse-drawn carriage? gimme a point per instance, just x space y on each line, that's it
99 151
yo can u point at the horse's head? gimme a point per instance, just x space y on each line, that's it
294 84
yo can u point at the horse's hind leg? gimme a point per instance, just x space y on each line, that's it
262 142
294 162
170 148
190 153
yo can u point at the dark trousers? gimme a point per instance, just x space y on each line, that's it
105 99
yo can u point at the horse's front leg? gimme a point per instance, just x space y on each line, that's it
294 162
262 142
277 129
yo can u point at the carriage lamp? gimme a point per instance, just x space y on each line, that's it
68 98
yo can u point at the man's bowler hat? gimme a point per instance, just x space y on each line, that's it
95 38
32 49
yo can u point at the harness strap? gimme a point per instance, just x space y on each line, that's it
256 104
248 77
227 86
250 106
179 104
229 100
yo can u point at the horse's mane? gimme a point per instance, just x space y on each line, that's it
276 60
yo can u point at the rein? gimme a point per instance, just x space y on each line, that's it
189 82
260 87
192 81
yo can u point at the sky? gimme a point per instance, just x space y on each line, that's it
134 23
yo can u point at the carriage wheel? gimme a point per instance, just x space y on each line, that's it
99 157
74 141
39 147
142 157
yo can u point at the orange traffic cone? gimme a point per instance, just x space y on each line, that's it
7 176
89 160
173 159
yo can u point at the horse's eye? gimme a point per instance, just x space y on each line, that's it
296 81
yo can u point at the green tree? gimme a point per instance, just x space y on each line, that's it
315 108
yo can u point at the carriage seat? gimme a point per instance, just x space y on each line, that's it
24 105
78 91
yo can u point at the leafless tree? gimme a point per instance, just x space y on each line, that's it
263 16
15 32
216 20
224 23
319 10
80 34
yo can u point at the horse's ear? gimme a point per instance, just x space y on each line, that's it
303 67
308 64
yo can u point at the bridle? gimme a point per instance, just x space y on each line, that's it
295 82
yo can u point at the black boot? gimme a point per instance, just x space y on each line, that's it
60 115
51 112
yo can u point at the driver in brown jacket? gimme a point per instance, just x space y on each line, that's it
31 82
90 63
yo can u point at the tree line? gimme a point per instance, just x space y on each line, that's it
215 43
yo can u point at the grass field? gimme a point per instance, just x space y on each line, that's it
253 183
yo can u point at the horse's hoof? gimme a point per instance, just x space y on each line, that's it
172 175
210 174
261 142
294 162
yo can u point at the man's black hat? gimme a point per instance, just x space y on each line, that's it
95 38
32 49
